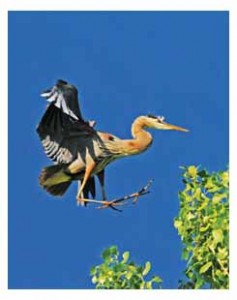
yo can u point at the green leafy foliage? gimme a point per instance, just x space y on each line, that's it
116 273
203 225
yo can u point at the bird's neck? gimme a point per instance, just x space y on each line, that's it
141 138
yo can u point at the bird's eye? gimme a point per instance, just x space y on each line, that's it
160 119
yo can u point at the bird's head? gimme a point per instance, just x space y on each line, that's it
158 122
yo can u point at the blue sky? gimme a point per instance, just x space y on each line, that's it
124 64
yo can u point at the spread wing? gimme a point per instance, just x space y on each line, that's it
62 136
62 130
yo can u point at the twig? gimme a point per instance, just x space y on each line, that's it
124 200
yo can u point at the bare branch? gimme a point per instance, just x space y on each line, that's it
124 200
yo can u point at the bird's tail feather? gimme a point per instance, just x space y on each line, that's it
58 189
55 180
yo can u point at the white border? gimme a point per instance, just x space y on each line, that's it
7 5
118 5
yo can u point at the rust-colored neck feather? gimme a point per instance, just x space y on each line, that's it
141 138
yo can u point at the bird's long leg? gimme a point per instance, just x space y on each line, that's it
101 177
88 171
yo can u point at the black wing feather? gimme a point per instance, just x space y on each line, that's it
62 129
60 134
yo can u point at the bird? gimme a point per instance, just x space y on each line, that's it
81 152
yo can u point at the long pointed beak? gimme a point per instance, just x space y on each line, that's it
174 127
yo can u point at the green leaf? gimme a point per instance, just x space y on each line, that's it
149 285
146 269
125 257
178 223
93 271
225 178
139 269
129 275
120 267
217 198
203 173
131 267
209 184
205 228
94 279
197 193
156 279
190 216
102 279
205 267
114 250
192 171
199 283
218 273
222 253
106 254
217 235
185 254
109 253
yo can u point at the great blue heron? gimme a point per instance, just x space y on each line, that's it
80 151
